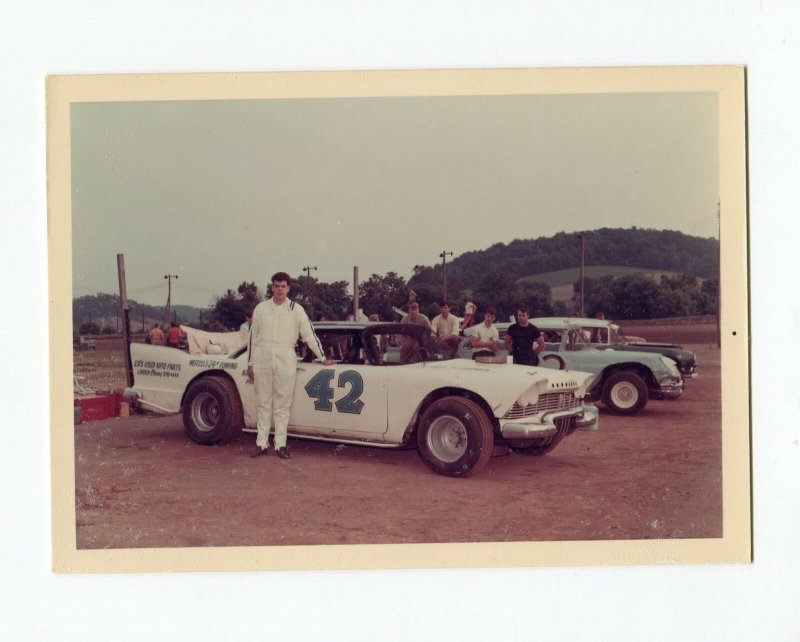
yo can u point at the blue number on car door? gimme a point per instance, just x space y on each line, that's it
343 400
351 402
320 389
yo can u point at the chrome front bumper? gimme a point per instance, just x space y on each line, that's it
671 389
586 418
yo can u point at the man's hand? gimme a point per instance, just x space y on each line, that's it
327 362
250 372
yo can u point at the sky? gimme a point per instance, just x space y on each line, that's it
221 192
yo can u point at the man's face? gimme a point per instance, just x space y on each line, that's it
279 291
413 312
522 317
444 310
488 318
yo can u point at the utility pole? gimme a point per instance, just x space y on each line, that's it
444 256
168 311
308 269
355 293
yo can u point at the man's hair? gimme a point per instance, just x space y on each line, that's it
413 305
490 311
522 308
443 303
281 276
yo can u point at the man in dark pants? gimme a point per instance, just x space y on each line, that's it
523 340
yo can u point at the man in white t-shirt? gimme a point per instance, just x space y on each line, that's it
485 337
445 327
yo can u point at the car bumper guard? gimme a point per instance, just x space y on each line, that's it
586 418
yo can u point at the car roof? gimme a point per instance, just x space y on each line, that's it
560 323
343 325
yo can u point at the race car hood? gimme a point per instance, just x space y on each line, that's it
503 385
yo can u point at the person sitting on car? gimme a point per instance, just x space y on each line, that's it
445 327
485 337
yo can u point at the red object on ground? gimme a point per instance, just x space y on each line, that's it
101 405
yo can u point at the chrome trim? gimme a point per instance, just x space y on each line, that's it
547 426
547 402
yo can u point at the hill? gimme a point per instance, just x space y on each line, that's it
551 259
103 310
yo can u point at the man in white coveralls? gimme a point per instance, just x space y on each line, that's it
272 362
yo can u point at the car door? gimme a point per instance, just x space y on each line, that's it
341 401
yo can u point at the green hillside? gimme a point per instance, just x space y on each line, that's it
627 250
102 310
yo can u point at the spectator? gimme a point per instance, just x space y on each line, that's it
156 335
248 321
523 340
445 327
485 337
599 335
469 314
174 335
415 317
409 344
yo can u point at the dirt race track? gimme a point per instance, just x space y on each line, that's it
140 482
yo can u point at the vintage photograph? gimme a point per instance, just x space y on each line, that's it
338 319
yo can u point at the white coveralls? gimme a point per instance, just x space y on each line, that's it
273 335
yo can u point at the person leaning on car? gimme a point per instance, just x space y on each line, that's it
272 362
485 337
523 340
409 344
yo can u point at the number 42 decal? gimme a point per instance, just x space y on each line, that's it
320 388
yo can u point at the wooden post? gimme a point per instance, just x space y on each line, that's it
126 326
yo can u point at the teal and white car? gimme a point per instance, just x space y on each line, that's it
624 379
453 410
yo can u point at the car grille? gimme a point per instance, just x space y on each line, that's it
549 401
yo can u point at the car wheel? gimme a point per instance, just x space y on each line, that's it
625 393
455 437
210 409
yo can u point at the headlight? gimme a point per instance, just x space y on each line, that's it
670 364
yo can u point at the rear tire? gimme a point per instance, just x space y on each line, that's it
455 437
211 409
624 393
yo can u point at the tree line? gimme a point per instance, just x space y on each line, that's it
502 276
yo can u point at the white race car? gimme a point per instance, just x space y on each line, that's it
392 386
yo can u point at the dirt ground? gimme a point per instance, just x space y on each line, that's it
140 482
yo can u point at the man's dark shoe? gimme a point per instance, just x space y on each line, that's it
258 451
283 453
